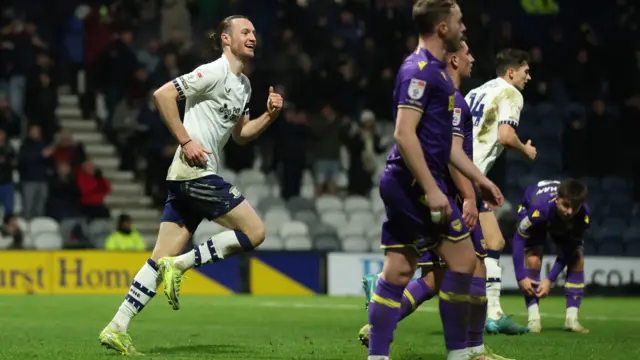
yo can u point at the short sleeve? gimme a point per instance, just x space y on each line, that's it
413 92
245 112
200 81
458 124
510 106
527 225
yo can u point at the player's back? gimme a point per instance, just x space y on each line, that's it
216 99
494 103
539 194
423 85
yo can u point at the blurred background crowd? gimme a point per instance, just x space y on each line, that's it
81 142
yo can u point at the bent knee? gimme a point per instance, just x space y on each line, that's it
495 243
464 263
256 233
534 262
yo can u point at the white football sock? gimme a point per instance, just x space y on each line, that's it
572 313
534 312
462 354
494 286
377 357
140 293
217 248
476 350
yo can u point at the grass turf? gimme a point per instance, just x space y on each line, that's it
251 327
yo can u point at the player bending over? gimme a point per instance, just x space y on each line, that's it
556 208
495 107
217 96
423 289
421 214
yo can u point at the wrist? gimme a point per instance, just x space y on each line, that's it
183 143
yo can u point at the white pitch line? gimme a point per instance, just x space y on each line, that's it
300 305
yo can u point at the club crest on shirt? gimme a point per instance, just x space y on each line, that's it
457 116
416 88
192 77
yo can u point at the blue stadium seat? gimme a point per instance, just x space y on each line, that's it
632 235
610 249
542 170
589 248
614 183
545 109
603 236
633 249
593 184
300 204
596 199
614 224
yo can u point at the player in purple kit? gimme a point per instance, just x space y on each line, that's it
459 66
420 209
556 208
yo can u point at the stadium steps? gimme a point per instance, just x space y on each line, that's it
127 195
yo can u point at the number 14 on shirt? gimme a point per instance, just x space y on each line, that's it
476 108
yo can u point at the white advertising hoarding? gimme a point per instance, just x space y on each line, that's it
345 271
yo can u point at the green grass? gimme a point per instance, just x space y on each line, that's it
245 327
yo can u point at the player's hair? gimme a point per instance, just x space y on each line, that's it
427 13
573 190
510 59
223 27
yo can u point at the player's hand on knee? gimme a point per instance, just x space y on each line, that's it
490 193
194 153
439 205
544 288
470 213
526 285
274 103
530 150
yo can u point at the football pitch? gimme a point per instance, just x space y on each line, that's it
269 327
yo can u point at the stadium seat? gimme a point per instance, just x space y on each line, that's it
23 225
17 203
355 244
271 202
206 230
351 229
274 219
590 249
633 249
614 184
256 192
228 175
68 226
619 205
296 204
327 243
528 180
326 203
614 224
337 219
293 229
632 234
307 217
610 249
98 231
593 184
272 242
308 191
43 224
307 178
322 229
367 219
47 241
250 177
377 204
605 235
297 243
356 203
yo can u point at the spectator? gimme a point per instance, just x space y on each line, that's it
325 130
125 130
41 106
34 165
149 56
125 237
93 189
68 151
604 136
9 120
64 194
363 143
291 154
11 237
7 164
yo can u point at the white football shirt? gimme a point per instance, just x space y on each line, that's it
216 99
495 103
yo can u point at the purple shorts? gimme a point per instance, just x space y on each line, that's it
428 257
191 201
408 222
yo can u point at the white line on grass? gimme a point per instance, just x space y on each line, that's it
300 305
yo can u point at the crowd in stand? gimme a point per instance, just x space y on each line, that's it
333 61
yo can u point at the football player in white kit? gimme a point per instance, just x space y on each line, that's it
495 108
217 97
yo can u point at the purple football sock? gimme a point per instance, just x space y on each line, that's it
384 313
415 294
455 308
